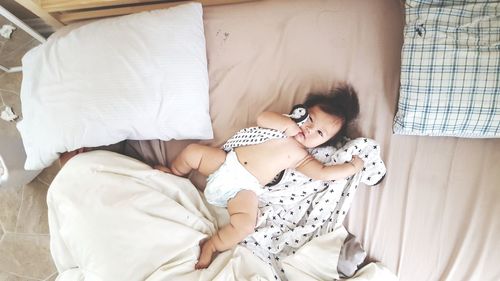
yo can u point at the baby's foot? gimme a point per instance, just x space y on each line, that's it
206 255
163 169
64 157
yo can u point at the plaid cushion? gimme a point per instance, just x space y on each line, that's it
450 69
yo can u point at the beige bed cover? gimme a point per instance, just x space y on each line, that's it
437 214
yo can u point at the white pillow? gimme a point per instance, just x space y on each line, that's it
141 76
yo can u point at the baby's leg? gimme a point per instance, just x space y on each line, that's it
243 217
199 157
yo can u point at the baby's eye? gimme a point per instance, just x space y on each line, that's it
320 133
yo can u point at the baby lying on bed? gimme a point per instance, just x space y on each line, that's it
236 178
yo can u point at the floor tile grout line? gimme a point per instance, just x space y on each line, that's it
53 274
18 83
27 233
19 213
23 45
42 181
20 207
9 92
3 47
22 276
3 232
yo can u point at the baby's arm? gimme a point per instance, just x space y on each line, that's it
282 123
316 170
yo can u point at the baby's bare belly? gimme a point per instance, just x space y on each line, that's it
267 159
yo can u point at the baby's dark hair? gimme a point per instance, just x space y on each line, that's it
341 102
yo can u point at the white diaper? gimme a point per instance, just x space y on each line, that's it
228 180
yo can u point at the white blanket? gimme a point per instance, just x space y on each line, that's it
114 218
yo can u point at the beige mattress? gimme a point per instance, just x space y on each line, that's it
436 216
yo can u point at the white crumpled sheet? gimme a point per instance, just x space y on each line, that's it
114 218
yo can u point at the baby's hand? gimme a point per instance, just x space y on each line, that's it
163 169
292 129
357 163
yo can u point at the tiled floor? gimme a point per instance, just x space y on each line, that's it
13 49
24 232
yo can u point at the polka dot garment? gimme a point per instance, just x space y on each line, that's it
298 209
256 135
251 136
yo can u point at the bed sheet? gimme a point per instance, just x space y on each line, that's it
436 216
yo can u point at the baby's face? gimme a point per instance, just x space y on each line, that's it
319 128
